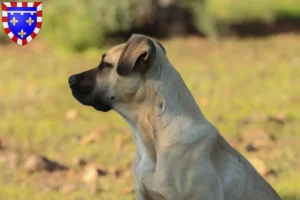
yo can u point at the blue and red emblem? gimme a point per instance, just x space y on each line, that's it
22 21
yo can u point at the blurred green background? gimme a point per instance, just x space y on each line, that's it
78 24
240 59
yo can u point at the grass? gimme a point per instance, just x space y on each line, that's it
230 79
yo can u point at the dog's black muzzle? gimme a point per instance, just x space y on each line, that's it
82 86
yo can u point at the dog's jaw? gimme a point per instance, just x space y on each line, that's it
102 109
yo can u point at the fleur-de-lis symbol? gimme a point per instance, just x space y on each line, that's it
29 21
22 33
14 21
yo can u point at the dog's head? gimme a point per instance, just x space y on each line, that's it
119 76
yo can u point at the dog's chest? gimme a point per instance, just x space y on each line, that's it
143 162
143 167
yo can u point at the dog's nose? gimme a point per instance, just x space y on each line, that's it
72 79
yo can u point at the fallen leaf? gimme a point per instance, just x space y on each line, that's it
259 165
279 118
256 139
77 161
39 163
73 175
203 102
272 173
92 136
1 145
253 117
71 114
129 190
118 141
114 171
10 159
251 147
127 174
92 172
67 188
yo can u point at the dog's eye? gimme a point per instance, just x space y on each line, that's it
104 65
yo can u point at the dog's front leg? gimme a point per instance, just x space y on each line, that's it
136 171
138 190
146 188
144 173
145 195
139 195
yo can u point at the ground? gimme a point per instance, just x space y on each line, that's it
249 89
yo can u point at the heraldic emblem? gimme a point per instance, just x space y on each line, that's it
22 21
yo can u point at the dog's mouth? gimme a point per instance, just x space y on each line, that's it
87 100
86 96
103 108
81 96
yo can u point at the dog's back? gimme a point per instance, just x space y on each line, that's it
239 178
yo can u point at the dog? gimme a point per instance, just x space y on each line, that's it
180 154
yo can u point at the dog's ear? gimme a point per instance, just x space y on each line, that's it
161 46
137 47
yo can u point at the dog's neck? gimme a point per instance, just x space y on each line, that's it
167 105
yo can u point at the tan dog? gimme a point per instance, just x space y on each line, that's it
180 155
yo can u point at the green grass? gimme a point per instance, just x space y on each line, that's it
230 79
